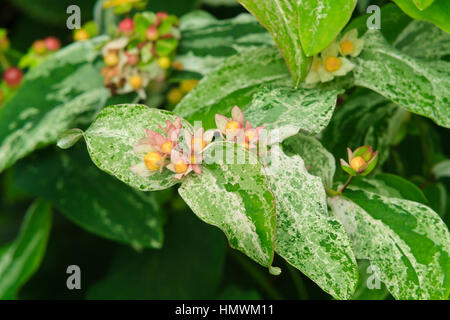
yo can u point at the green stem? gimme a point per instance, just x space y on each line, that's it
260 278
346 184
298 282
4 62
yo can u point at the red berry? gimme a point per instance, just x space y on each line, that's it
126 26
52 43
39 46
152 33
132 59
160 16
13 76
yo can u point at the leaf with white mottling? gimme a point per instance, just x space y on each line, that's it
419 86
318 161
286 111
281 18
206 41
69 137
21 258
320 21
306 236
111 137
421 39
91 198
51 99
235 197
406 240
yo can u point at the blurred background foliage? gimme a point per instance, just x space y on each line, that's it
195 261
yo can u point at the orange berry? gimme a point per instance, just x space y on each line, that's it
180 167
332 64
167 147
80 35
357 163
347 47
152 160
232 127
136 82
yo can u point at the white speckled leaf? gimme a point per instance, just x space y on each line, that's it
237 199
281 18
207 41
320 21
91 198
51 99
421 39
306 236
318 161
21 258
287 110
111 137
234 82
419 86
406 240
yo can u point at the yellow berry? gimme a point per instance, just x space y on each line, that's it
180 167
232 126
197 144
111 59
332 64
188 85
152 160
347 47
167 147
136 82
174 96
250 135
357 163
164 62
80 35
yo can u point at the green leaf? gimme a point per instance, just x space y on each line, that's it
437 13
20 259
165 47
406 240
235 197
437 195
51 99
189 266
369 285
258 82
306 236
390 185
419 86
422 4
281 18
69 137
111 137
423 40
442 169
318 161
92 199
142 21
364 119
206 41
320 21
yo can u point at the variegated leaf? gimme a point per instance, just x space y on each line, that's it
51 99
206 41
111 137
306 236
318 161
235 196
419 86
281 18
406 240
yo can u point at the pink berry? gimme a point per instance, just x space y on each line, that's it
152 33
160 16
126 26
132 59
52 43
39 46
13 76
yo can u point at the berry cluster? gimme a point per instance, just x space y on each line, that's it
142 53
184 150
40 50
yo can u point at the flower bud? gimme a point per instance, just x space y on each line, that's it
362 161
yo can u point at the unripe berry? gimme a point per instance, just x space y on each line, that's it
111 59
152 33
4 43
188 85
13 77
80 35
52 43
152 160
160 16
136 82
164 62
126 26
174 96
39 47
357 163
